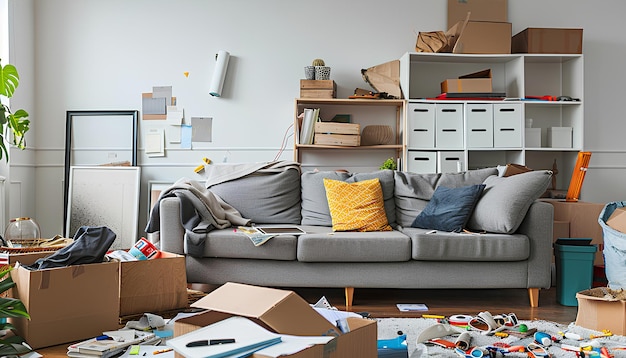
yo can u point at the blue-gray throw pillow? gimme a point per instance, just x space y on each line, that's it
449 208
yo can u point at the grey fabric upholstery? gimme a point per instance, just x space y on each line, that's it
272 198
315 206
505 201
378 246
446 246
405 258
413 191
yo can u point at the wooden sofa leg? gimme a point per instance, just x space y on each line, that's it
533 294
349 292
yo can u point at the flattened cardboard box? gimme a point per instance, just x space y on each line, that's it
283 312
67 304
155 285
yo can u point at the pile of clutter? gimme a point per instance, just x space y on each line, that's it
487 335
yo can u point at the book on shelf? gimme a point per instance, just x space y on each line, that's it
311 115
247 337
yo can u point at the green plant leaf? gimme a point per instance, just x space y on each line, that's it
9 80
13 346
12 307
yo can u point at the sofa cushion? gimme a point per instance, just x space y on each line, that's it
321 244
505 201
448 246
449 208
225 243
264 198
315 209
356 206
413 191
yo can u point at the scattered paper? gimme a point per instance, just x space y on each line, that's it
155 143
410 307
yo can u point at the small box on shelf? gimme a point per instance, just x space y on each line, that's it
560 137
318 89
341 134
533 137
548 40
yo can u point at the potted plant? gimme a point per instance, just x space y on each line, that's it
11 345
389 164
16 122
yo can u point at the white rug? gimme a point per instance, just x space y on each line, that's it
388 328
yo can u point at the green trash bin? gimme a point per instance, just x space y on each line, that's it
574 271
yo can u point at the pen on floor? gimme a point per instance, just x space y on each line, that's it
162 351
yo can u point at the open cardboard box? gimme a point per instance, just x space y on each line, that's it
617 220
155 285
480 37
283 312
67 304
597 312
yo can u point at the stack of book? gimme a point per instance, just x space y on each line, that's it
307 129
111 343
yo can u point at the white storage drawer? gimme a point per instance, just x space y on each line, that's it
449 126
421 125
422 162
450 162
479 120
507 125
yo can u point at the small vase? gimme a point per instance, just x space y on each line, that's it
309 72
322 72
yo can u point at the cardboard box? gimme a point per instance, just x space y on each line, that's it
597 313
482 37
477 82
67 304
283 312
155 285
318 89
28 258
583 221
617 220
560 230
481 10
548 40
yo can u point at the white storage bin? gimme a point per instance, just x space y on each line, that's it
449 126
560 137
507 125
532 137
421 125
479 119
450 162
422 162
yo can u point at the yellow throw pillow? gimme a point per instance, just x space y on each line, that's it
356 206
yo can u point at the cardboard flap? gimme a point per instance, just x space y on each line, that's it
384 78
480 74
283 311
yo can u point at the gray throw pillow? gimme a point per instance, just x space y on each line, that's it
505 201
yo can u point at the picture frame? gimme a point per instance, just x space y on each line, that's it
105 196
155 187
99 137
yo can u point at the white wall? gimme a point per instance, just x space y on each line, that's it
92 54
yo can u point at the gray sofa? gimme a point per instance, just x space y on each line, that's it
509 244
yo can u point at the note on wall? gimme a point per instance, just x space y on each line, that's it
201 129
155 143
185 136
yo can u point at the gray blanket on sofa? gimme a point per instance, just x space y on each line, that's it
201 211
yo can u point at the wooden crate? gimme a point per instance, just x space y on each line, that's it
318 89
337 128
337 139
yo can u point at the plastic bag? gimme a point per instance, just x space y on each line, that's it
614 248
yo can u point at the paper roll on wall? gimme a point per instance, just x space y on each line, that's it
217 82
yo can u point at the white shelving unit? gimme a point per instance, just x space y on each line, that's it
359 158
517 75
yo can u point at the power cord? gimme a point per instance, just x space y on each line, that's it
284 143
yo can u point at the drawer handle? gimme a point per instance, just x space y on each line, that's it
507 129
454 159
420 110
420 130
420 158
448 130
448 110
479 110
507 109
479 130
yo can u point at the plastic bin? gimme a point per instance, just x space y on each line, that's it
614 247
574 271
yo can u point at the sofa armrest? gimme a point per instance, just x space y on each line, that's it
171 232
537 225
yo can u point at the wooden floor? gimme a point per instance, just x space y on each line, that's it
381 303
